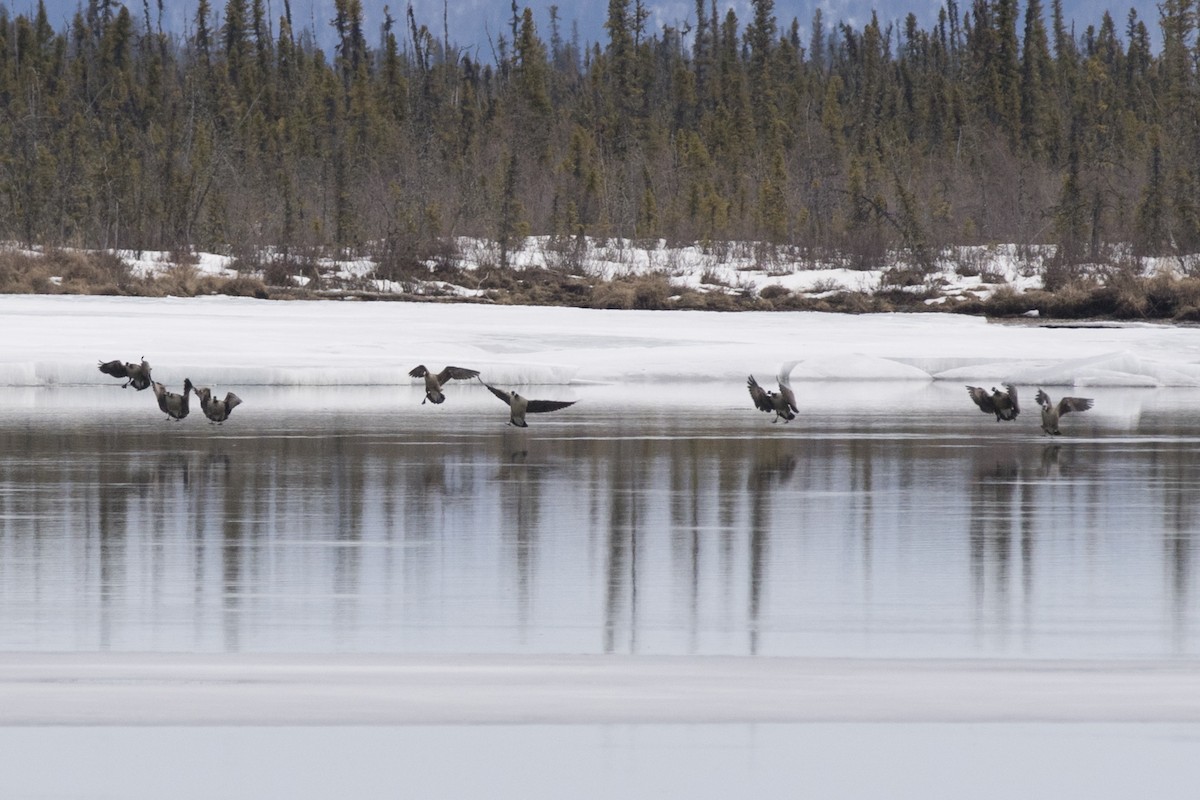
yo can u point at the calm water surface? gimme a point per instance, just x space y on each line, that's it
893 521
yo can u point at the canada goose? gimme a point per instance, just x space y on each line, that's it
1051 413
1003 404
215 409
434 382
175 406
138 374
519 406
783 402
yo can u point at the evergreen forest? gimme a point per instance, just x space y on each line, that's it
999 123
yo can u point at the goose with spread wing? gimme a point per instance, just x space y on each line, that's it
1003 404
1052 411
783 402
519 406
434 381
137 375
216 409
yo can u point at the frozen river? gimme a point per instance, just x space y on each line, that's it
654 592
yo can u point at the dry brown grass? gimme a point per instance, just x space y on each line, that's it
24 274
100 273
1122 294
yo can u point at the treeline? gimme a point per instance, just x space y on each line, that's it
998 124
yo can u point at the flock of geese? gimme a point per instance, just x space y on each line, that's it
173 404
518 406
1004 404
176 406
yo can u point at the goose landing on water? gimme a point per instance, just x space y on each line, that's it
175 406
215 409
519 406
138 374
1051 413
1003 404
435 381
783 402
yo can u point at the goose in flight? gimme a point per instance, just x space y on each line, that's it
1051 412
1003 404
783 402
175 406
435 380
138 375
215 409
519 406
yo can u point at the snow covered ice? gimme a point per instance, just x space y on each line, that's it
231 342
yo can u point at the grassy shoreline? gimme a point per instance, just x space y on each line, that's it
1130 291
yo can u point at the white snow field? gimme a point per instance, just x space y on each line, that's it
224 341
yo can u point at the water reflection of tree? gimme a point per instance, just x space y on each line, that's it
630 468
1178 478
773 466
521 496
686 477
254 522
993 489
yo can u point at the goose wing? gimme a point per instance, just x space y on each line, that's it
503 395
759 395
542 406
982 398
789 397
1042 398
1012 398
418 371
231 400
1068 404
456 373
785 373
160 394
118 369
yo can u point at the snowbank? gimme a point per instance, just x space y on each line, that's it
226 341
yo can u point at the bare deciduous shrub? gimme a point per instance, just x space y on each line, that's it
1057 274
24 274
1007 302
184 256
719 301
243 286
651 292
826 285
85 272
902 276
854 303
1167 296
613 295
281 269
567 253
774 292
969 261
